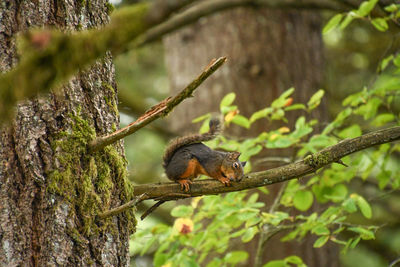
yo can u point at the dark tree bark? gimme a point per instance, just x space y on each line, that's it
50 187
268 52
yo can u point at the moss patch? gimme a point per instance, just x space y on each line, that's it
318 159
110 102
89 182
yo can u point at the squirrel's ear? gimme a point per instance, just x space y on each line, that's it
234 155
244 163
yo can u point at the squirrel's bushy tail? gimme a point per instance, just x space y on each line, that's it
175 144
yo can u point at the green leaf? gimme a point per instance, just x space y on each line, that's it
215 263
294 260
385 62
227 100
201 118
281 100
315 99
241 121
235 257
349 205
380 24
364 206
383 119
396 61
300 122
287 93
227 109
349 18
364 233
189 262
276 263
253 198
250 152
366 7
249 234
160 259
295 106
332 23
182 211
384 178
355 242
303 200
321 230
338 193
370 109
391 8
263 113
292 235
279 114
350 132
321 241
281 142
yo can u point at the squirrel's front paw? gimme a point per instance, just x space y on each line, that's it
225 181
185 185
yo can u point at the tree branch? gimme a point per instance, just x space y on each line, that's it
123 207
206 8
298 169
51 57
159 110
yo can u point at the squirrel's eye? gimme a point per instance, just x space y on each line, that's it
235 165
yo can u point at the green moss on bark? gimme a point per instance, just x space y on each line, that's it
318 159
110 102
89 182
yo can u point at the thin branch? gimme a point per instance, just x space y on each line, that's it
123 207
298 169
266 232
163 192
206 8
151 209
393 263
159 110
162 200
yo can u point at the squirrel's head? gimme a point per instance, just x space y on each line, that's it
232 167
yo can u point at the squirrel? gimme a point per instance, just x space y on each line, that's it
186 157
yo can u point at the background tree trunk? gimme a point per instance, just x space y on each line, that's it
268 52
50 188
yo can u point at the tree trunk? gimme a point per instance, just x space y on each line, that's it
50 187
268 52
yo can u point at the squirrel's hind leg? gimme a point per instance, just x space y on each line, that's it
190 173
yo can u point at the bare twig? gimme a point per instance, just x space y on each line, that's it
393 263
266 232
157 111
151 209
291 171
123 207
162 200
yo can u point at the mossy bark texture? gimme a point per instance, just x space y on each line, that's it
50 187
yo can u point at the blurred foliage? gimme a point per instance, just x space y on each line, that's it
362 85
204 231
